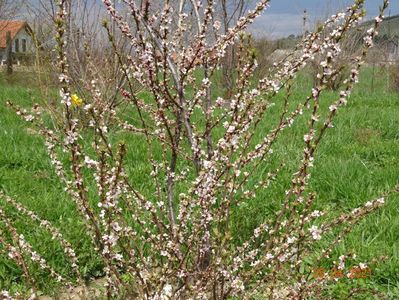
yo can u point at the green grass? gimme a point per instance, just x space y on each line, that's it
358 160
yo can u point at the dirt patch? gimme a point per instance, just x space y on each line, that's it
365 136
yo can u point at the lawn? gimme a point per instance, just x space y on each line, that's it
357 161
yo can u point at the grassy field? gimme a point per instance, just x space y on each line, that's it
358 160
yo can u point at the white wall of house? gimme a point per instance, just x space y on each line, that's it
24 41
3 56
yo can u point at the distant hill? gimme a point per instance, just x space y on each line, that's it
389 27
388 30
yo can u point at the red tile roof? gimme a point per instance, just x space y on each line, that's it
13 26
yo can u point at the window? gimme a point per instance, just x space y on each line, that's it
23 45
16 45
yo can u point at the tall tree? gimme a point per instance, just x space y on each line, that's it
230 11
9 8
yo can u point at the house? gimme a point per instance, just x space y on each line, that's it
21 39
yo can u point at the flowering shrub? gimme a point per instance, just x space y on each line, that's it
176 241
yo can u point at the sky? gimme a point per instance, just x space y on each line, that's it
285 17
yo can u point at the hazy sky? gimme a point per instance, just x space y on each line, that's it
284 17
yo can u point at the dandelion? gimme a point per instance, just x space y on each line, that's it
76 101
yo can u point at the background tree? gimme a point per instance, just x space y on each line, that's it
230 11
10 8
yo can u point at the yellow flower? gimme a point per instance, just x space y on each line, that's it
76 101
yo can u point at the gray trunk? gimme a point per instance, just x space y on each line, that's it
9 53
